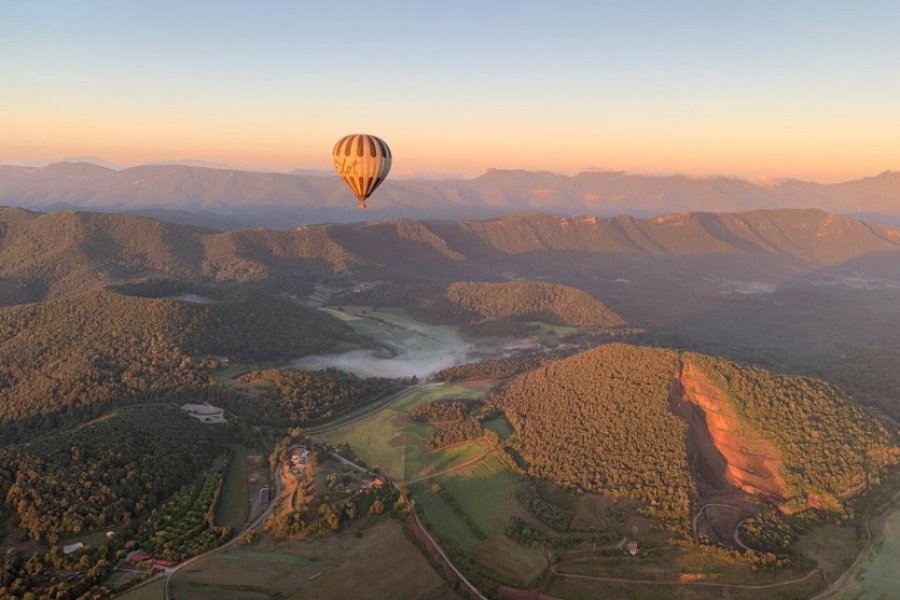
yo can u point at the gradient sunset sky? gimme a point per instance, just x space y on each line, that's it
753 89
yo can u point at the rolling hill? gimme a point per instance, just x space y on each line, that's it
481 303
798 290
78 356
666 427
51 255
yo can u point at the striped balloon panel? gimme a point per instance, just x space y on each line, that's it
363 162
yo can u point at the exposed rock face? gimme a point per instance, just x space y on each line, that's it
732 454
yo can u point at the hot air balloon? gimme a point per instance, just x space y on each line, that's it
362 161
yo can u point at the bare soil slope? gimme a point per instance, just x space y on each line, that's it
731 452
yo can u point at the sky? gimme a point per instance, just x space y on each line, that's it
750 89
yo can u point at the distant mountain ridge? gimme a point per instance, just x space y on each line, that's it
301 197
52 255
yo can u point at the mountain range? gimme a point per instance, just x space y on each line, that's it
246 198
52 255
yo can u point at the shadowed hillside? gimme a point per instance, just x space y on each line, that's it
80 355
46 256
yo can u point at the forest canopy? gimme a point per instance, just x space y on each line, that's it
107 471
84 354
479 303
602 421
286 397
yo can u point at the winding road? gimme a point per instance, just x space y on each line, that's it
767 586
847 576
737 540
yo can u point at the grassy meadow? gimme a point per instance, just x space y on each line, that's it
389 439
383 563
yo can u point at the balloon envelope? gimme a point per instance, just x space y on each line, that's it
362 161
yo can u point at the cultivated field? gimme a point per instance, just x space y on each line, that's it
389 439
474 508
383 563
150 591
234 503
472 512
500 426
877 574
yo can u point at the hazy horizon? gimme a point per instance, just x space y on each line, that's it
762 91
427 176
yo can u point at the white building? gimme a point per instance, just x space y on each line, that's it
205 413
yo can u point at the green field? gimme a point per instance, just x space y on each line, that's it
877 574
150 591
389 439
499 425
234 503
396 328
383 563
447 458
484 493
554 329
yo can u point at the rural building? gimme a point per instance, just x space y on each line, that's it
163 564
373 483
299 457
263 496
205 413
632 547
69 549
138 556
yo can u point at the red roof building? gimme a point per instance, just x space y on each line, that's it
164 564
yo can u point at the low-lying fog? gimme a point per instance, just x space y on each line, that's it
420 349
194 299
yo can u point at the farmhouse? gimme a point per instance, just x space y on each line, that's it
163 564
205 413
374 483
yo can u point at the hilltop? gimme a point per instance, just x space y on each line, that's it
483 303
665 428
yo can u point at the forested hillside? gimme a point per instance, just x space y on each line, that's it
600 421
105 472
526 300
78 356
831 447
606 420
54 255
480 303
286 397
